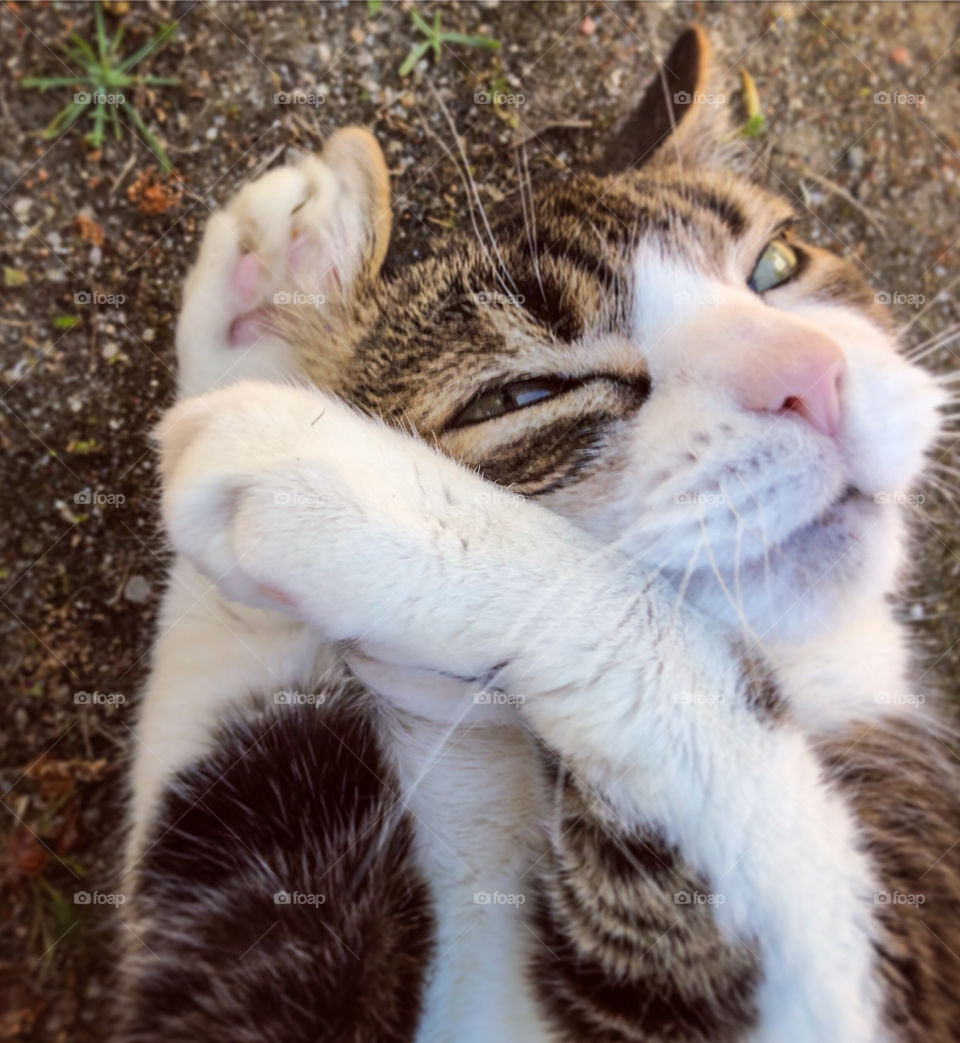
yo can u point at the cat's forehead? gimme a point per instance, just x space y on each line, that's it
557 270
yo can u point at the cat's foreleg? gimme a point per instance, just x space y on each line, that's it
372 537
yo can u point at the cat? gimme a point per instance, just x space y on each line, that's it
526 670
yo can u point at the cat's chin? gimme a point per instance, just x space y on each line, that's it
816 579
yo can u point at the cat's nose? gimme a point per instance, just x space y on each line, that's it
799 371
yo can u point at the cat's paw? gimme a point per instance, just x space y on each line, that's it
294 238
289 500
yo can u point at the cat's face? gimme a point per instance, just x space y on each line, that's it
654 355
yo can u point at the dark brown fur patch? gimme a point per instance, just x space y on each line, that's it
291 803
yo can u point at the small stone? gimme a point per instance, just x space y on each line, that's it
855 157
109 350
900 55
149 335
137 590
588 26
211 134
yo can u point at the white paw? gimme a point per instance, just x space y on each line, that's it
293 239
289 500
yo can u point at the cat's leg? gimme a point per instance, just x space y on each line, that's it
271 893
370 536
293 239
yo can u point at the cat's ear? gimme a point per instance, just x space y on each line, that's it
677 119
349 220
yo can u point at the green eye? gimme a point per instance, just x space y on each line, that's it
777 264
508 399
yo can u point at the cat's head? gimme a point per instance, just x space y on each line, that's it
651 351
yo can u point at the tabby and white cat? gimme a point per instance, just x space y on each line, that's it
543 688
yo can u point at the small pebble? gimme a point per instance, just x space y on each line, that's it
588 26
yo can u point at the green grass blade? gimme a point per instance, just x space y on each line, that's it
472 41
413 57
81 50
115 120
155 145
64 119
149 47
422 25
95 136
44 83
101 31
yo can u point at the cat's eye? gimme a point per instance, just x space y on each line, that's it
510 397
778 263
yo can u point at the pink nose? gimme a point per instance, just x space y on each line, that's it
796 370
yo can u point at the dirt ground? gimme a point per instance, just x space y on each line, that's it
95 245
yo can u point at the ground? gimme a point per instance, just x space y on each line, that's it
96 243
